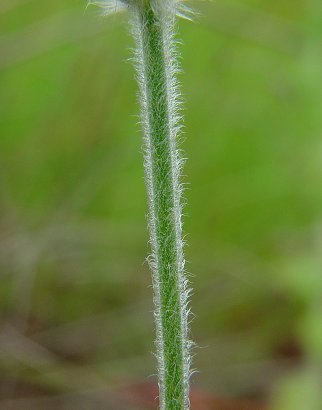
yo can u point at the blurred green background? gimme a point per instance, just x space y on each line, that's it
76 301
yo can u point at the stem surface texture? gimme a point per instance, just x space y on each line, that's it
156 66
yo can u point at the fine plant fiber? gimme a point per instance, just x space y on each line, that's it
153 26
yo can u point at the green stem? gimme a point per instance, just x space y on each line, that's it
155 69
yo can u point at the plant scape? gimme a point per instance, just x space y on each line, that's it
153 26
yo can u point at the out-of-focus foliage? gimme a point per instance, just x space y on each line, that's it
75 296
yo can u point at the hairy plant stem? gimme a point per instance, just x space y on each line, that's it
156 66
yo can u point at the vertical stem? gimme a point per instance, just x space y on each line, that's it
155 58
153 27
156 64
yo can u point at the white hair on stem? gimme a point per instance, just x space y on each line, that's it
156 61
114 6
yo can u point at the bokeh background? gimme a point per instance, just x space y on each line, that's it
76 324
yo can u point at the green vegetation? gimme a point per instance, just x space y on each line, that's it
153 25
75 297
156 67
